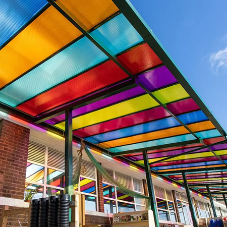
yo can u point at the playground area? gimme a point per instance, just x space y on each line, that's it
98 126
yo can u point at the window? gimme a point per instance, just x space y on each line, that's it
124 197
125 207
90 203
54 191
165 204
35 173
55 178
110 206
108 191
87 186
173 217
33 191
203 209
45 175
172 211
140 208
218 211
183 207
116 200
162 204
181 214
187 214
163 215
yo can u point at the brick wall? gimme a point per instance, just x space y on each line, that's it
145 189
100 193
14 141
98 220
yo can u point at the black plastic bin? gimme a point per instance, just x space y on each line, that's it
63 210
43 211
52 211
34 219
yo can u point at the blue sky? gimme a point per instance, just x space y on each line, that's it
194 34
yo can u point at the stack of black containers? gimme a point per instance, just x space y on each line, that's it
52 212
63 210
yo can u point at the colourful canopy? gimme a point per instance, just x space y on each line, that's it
101 59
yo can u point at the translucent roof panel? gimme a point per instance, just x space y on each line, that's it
89 12
77 87
16 14
38 41
54 71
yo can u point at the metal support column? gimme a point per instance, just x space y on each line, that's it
211 201
153 205
68 153
224 197
191 207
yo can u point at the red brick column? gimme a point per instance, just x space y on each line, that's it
145 187
100 193
14 141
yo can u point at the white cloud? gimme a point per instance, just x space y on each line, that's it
218 60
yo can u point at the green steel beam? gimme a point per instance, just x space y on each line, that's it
191 206
150 187
211 201
224 197
68 153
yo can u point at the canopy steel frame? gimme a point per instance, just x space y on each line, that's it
176 118
25 117
191 170
61 9
150 187
165 177
68 153
143 29
191 207
188 152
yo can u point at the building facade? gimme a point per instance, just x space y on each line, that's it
32 166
